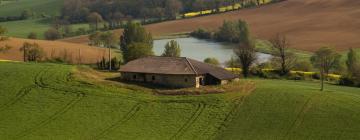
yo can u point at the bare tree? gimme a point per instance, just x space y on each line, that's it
283 54
95 18
246 49
247 57
325 59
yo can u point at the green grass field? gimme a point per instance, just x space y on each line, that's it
22 28
50 101
15 7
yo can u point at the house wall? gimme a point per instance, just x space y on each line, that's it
181 81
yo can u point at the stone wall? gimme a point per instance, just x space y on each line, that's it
180 81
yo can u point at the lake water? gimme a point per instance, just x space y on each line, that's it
199 49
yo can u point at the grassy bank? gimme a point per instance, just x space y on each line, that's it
15 7
22 28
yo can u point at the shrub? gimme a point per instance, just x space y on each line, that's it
201 34
52 34
303 66
212 61
32 35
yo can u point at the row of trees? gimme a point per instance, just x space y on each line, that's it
284 59
112 11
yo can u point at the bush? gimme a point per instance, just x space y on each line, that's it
201 34
52 34
32 35
303 66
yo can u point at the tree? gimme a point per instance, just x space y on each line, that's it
32 52
246 48
352 62
212 61
95 18
138 50
5 49
26 14
52 34
110 40
2 32
283 55
199 5
325 59
172 49
172 8
32 35
134 33
228 32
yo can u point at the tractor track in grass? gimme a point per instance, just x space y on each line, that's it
199 110
300 116
53 117
21 93
238 103
135 109
39 82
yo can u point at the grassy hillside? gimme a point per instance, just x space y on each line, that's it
22 28
296 110
15 7
59 105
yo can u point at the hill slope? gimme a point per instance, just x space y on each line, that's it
15 7
59 104
54 49
309 24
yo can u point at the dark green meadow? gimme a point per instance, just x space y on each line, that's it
50 101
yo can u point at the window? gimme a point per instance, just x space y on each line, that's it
134 76
186 80
153 78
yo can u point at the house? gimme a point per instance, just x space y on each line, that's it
177 72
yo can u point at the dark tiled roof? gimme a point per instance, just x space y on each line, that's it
177 66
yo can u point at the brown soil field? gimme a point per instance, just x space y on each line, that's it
74 53
308 24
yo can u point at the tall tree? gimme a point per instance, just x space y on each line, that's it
325 59
352 62
172 49
138 50
172 8
110 40
246 48
95 18
134 33
283 54
2 32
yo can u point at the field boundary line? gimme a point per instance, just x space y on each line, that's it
133 111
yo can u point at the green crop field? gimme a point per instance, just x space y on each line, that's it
22 28
15 7
51 101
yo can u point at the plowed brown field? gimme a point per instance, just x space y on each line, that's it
309 24
70 51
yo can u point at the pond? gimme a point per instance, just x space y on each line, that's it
199 49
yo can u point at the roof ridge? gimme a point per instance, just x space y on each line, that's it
192 67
